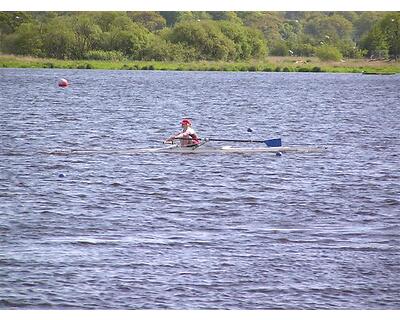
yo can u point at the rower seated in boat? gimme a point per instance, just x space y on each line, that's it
187 136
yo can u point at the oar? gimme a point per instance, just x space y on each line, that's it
270 142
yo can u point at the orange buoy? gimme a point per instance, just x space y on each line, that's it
62 83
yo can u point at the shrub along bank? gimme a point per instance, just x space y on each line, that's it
273 64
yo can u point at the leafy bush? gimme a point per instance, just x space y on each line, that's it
126 36
390 26
48 65
85 66
316 69
303 69
104 55
219 40
375 43
25 40
279 48
58 38
328 53
349 50
161 50
206 37
249 43
304 50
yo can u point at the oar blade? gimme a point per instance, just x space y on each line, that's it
274 142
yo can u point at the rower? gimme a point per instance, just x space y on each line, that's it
187 136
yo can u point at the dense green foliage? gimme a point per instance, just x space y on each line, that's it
328 53
193 36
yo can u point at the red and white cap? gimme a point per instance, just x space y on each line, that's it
186 122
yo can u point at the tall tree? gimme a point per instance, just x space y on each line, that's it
151 20
375 43
328 29
170 17
87 33
105 19
26 40
363 24
225 15
125 36
249 43
10 21
390 26
58 38
267 22
206 37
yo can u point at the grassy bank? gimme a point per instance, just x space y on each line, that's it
271 64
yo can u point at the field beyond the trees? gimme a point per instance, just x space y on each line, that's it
270 64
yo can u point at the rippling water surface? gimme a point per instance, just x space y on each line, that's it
203 231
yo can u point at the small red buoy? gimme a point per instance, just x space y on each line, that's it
62 83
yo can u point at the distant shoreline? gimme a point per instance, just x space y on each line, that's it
270 64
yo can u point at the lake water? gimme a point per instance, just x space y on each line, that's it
202 231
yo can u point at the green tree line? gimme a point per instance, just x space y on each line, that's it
191 36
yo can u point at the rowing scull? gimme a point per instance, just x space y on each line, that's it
177 149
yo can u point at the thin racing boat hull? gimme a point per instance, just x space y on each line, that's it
228 149
178 149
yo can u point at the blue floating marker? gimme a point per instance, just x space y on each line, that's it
249 130
278 154
61 175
